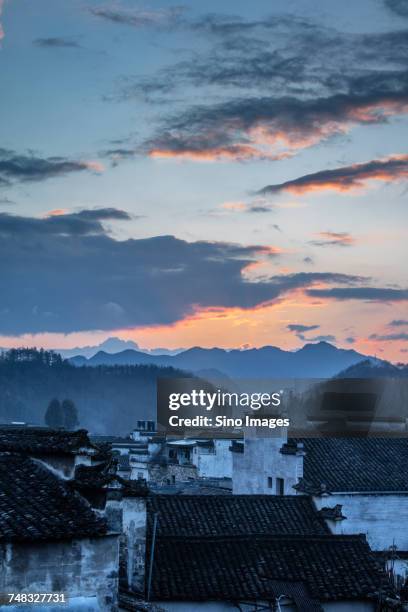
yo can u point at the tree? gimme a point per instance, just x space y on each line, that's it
54 416
70 414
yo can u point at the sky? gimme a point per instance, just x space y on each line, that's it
224 173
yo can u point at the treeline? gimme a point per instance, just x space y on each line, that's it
108 399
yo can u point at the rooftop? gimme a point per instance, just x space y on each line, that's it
43 440
319 569
234 515
355 464
37 505
255 547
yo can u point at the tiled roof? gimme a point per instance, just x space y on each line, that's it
255 547
42 440
234 515
355 464
330 568
37 505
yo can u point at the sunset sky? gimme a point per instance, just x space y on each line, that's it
219 173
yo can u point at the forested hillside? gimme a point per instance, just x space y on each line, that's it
109 399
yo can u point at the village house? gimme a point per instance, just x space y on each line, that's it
360 484
67 518
146 455
245 552
60 450
51 540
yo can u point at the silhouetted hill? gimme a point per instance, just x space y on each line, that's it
110 399
374 369
319 360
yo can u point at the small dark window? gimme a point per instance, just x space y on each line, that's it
270 482
280 486
173 479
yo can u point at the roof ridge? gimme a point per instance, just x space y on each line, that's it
359 537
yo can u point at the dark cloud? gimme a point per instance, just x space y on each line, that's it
343 239
288 96
390 337
259 209
350 340
6 202
139 18
323 338
56 42
399 7
344 178
308 260
369 294
300 331
297 328
260 54
398 323
85 222
15 167
268 127
119 154
72 276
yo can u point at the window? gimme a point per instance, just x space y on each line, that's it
270 482
173 479
280 486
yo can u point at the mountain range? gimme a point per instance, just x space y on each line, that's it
318 360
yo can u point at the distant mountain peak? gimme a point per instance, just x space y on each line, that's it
313 360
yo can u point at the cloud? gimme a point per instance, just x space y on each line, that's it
300 331
15 167
74 276
350 340
368 294
256 208
267 98
398 323
260 54
390 337
139 18
399 7
6 202
234 206
323 338
58 223
56 42
297 328
342 239
271 128
308 260
345 178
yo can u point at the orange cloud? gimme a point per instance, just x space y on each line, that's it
238 152
334 239
345 178
57 212
234 206
268 128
